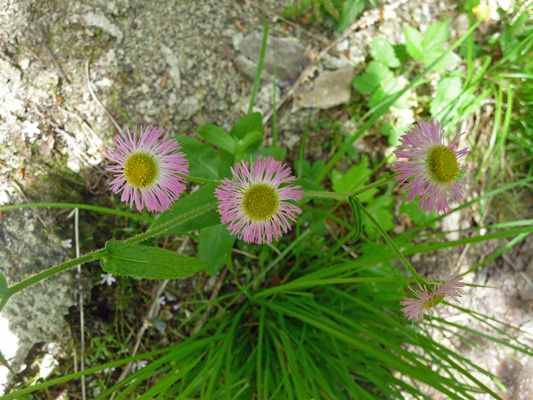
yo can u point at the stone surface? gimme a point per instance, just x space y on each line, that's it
330 89
284 55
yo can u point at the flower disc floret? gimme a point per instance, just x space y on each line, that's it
432 169
257 203
140 170
260 202
442 164
147 168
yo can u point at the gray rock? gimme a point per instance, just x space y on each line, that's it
330 89
100 21
285 55
527 292
173 64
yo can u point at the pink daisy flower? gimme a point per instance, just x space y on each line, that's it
433 166
146 169
426 299
255 205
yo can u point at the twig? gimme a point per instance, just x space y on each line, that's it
89 85
51 54
216 290
80 288
372 17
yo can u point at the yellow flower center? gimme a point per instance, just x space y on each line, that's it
260 202
140 170
442 164
434 301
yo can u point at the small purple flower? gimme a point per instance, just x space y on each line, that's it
433 166
256 207
66 244
427 298
146 169
107 278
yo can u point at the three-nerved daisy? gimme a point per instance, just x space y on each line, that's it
434 167
256 206
431 295
146 169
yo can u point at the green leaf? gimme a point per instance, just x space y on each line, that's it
389 86
448 89
215 245
203 160
147 262
435 36
308 184
371 78
470 4
380 207
226 161
432 45
417 215
218 137
251 141
350 11
353 179
248 123
382 51
413 42
308 171
357 219
3 285
196 199
270 151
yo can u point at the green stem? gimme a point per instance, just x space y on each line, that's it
395 248
198 179
259 68
339 195
106 210
49 272
170 224
331 195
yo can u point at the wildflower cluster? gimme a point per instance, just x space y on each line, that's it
260 203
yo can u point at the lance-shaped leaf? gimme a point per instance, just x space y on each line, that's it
147 262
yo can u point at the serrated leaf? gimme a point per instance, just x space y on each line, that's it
371 79
215 245
413 42
147 262
432 45
435 36
203 160
353 179
218 137
381 50
308 184
355 205
350 11
248 123
380 208
196 199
